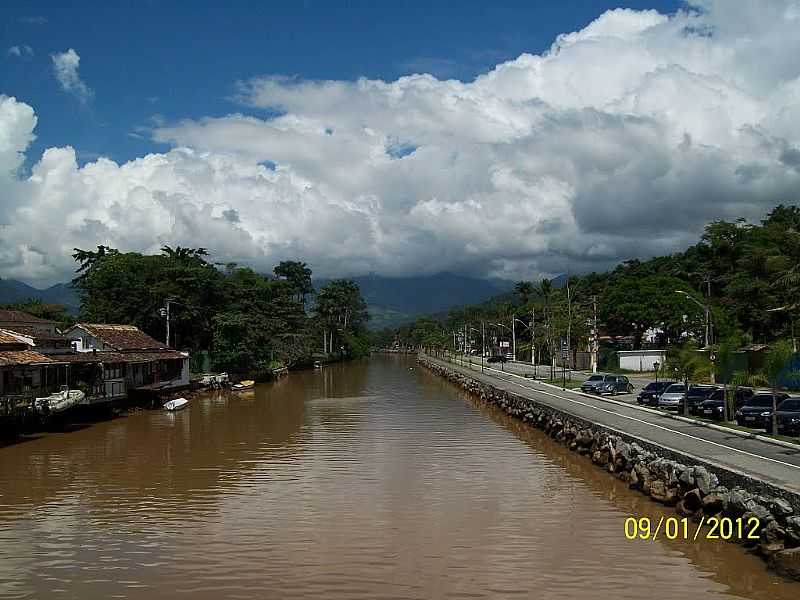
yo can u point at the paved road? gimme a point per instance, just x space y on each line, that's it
522 368
776 465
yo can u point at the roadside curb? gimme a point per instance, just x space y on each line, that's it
722 428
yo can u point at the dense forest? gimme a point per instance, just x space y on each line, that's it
246 320
748 275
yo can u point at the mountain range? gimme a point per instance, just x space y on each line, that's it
390 300
12 291
394 300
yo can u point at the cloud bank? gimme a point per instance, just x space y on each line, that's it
622 140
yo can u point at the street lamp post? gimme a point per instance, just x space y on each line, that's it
655 367
514 336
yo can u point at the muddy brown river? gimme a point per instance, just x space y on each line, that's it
374 479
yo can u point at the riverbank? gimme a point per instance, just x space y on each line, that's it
696 490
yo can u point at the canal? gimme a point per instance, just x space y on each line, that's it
373 479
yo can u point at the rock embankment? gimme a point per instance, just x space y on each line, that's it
694 490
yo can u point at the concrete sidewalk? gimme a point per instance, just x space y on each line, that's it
775 465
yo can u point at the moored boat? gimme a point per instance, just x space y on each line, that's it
214 380
247 384
176 404
60 401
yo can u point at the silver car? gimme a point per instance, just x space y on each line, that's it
672 397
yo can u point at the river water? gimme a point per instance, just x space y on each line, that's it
374 479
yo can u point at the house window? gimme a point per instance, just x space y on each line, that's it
113 371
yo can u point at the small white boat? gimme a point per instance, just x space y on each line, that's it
60 401
243 385
176 404
317 364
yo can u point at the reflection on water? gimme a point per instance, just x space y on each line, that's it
367 480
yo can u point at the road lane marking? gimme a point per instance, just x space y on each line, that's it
655 425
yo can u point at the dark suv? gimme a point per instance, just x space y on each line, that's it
757 408
650 393
696 395
607 384
788 417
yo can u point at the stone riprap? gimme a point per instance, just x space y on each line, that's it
694 490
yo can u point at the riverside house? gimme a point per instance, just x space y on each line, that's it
26 374
106 362
125 359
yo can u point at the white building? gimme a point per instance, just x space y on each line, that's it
641 360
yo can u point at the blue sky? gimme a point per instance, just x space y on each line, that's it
147 61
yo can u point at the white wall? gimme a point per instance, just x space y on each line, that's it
640 360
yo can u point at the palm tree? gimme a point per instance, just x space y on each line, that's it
524 290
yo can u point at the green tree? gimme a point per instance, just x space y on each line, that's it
341 310
298 275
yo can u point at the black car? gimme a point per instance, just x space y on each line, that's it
718 395
499 358
696 395
788 416
756 409
607 384
713 407
650 393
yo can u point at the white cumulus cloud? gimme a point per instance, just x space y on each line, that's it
65 68
622 140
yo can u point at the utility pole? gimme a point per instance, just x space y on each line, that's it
483 343
533 341
168 319
164 312
595 336
569 325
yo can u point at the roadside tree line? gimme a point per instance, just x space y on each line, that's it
737 286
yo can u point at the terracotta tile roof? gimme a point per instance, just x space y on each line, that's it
88 357
31 332
17 316
149 356
122 337
22 357
7 338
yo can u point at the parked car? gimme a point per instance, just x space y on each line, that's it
671 397
607 384
696 395
743 394
713 407
650 393
759 406
498 358
788 417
